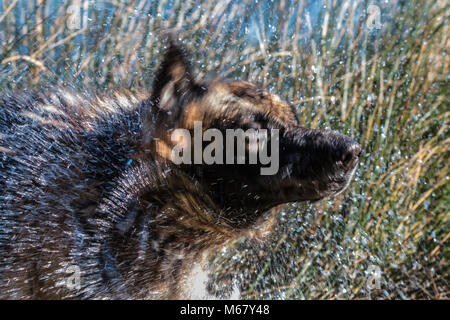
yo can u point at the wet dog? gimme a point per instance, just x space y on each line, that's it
92 204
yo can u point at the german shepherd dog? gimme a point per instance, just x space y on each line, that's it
93 207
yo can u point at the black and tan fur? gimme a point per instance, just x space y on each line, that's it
86 180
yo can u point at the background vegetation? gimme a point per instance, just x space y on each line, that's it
387 87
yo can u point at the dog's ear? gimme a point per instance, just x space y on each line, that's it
174 85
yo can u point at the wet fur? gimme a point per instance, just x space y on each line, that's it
86 181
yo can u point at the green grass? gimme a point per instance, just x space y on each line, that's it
386 88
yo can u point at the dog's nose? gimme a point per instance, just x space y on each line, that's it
349 153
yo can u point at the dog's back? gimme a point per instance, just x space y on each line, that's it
61 155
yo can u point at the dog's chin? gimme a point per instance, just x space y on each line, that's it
348 179
322 194
280 189
294 190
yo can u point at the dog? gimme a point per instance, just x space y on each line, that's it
93 206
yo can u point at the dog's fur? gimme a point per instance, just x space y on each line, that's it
87 181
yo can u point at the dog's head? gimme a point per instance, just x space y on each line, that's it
308 164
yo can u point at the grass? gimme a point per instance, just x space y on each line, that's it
387 88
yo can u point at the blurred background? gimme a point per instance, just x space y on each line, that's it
374 70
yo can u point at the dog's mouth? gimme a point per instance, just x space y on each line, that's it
313 180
